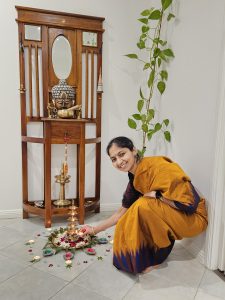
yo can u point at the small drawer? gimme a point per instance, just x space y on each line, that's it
70 129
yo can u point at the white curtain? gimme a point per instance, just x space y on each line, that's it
215 243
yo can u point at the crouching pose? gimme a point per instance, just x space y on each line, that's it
160 205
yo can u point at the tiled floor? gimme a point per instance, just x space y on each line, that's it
180 277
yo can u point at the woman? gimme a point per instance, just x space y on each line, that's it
160 205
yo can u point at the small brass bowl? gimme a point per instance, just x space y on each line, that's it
65 114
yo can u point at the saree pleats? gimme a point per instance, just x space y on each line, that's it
145 234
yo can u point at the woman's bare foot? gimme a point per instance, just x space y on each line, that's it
149 269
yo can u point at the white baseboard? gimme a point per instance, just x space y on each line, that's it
109 207
10 214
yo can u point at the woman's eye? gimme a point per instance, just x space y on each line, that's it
121 154
113 160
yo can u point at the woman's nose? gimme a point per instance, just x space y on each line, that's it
119 161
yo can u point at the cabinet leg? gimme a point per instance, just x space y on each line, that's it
25 214
48 223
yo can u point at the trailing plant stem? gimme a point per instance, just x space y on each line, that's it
156 36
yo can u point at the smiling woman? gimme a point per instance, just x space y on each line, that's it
160 205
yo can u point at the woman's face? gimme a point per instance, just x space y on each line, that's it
123 159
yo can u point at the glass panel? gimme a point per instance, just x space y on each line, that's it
32 32
61 57
90 39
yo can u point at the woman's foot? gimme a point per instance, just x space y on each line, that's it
149 269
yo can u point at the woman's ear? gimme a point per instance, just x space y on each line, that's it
135 151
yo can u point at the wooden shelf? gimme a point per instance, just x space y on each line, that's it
35 60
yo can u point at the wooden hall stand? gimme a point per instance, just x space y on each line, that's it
37 77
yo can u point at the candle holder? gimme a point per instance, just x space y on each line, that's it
62 179
72 225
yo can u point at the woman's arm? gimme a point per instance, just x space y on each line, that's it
152 194
111 221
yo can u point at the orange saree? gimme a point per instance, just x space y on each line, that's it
145 234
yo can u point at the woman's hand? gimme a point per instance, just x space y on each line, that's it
151 194
86 229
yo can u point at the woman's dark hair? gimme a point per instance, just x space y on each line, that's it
122 142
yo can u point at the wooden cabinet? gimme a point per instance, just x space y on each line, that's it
38 29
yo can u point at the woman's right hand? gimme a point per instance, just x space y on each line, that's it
86 229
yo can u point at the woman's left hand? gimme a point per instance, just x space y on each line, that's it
151 194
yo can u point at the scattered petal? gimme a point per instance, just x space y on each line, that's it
68 263
68 255
30 242
36 259
90 251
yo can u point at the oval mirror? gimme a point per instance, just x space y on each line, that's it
61 57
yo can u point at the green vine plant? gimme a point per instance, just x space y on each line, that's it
158 55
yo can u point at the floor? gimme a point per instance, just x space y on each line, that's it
93 277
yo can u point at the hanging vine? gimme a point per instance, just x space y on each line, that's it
156 50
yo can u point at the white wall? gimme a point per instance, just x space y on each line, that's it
190 100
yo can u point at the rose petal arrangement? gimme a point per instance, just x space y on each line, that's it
60 240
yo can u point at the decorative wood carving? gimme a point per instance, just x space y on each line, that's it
37 77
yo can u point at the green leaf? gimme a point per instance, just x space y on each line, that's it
140 105
168 52
136 116
156 52
143 118
145 29
143 36
141 44
150 134
132 55
166 122
141 152
159 62
156 40
143 20
146 66
162 56
132 124
167 136
155 15
170 16
153 63
166 4
161 87
163 43
145 127
151 114
141 94
146 12
151 78
158 126
164 75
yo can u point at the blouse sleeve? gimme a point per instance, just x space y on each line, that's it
130 195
